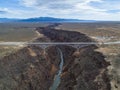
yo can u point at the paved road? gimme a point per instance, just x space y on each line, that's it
58 43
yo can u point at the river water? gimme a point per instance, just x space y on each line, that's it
57 76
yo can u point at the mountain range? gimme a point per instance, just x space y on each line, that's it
43 19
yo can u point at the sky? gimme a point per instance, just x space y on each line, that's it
72 9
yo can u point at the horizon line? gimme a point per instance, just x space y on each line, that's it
59 18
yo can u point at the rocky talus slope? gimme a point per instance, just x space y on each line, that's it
31 68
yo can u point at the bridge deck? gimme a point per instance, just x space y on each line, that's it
57 43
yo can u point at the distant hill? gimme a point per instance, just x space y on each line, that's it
50 19
43 19
8 20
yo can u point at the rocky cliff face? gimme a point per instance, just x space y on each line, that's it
31 68
28 69
85 70
63 36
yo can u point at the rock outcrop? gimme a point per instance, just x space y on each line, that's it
85 71
28 69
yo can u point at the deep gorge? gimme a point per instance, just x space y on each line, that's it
31 69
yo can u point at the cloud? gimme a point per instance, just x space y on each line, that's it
114 11
3 10
81 9
55 4
28 3
62 6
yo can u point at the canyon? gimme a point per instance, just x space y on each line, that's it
35 68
